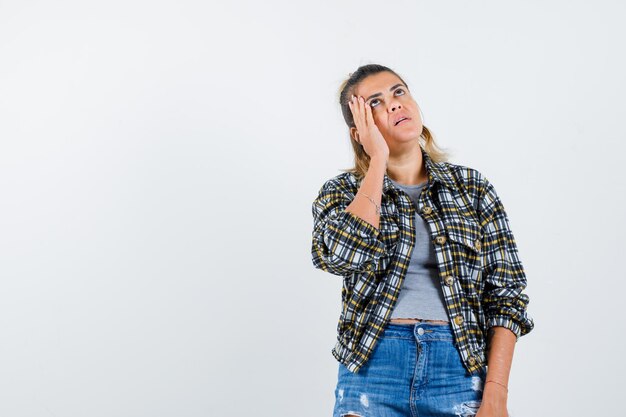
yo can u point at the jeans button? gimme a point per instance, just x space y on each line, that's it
420 331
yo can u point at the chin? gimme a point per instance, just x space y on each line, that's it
408 137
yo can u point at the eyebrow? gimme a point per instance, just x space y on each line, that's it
380 94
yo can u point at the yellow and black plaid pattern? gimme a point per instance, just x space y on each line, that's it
481 274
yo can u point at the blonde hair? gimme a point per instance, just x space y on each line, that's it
361 158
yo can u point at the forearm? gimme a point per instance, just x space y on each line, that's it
501 346
372 186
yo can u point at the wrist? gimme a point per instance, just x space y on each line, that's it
495 392
379 160
493 381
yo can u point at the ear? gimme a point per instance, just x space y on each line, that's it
354 134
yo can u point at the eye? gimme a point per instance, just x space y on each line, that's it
395 91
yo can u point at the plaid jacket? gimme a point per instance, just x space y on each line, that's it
481 274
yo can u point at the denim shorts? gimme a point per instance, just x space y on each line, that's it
415 370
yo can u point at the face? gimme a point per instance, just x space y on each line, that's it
389 99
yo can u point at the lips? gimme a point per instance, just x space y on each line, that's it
401 119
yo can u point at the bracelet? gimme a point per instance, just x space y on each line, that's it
491 380
373 202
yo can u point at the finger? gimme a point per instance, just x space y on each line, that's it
352 103
358 115
362 108
362 111
357 112
352 106
368 115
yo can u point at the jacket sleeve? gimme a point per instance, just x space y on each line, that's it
343 243
504 301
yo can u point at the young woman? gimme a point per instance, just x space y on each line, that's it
432 282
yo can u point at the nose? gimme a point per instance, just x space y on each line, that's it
394 106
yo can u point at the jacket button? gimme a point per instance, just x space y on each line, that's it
427 210
472 360
441 239
449 280
458 319
477 244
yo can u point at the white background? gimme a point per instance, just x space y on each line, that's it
158 163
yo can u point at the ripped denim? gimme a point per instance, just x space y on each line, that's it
415 370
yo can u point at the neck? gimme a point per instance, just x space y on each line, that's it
407 168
